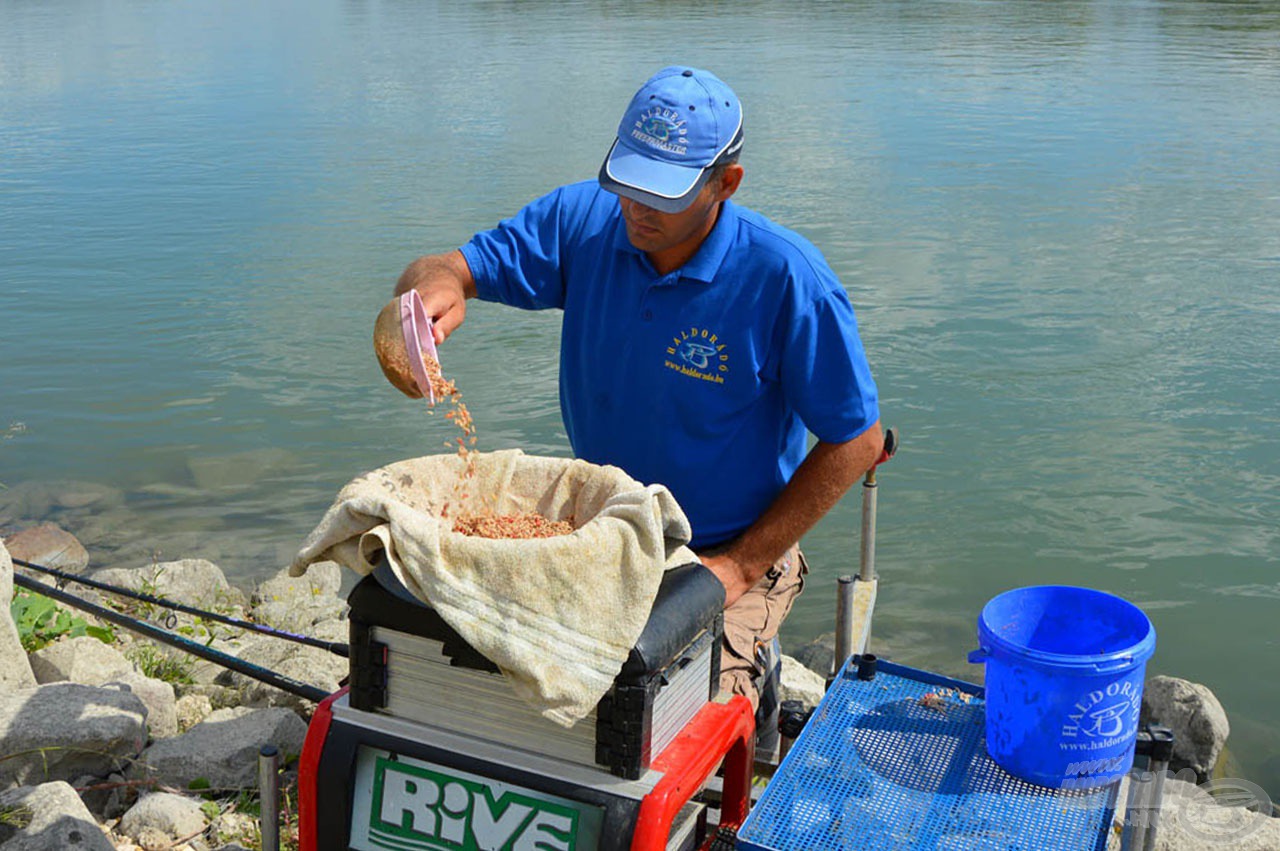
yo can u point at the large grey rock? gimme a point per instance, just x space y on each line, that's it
15 669
800 683
222 749
84 660
294 604
1199 724
309 665
173 815
192 581
157 696
64 730
818 655
48 817
322 577
6 574
49 546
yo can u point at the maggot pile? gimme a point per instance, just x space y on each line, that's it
487 524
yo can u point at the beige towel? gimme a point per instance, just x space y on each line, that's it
557 615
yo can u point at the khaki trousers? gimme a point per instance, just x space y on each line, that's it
753 622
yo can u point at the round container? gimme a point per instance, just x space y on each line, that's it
1065 668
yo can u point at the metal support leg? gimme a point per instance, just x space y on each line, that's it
844 623
1146 790
269 797
867 563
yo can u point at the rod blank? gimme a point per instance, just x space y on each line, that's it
252 671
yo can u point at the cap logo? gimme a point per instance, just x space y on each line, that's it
661 128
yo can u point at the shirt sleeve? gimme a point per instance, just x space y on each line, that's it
518 262
824 370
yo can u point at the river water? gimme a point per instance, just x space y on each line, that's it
1057 222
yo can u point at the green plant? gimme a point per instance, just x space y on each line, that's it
41 622
160 666
148 586
18 817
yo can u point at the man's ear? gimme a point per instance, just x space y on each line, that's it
730 180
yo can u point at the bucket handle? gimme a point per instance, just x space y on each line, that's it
1113 665
982 654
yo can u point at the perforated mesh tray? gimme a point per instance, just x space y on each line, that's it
899 762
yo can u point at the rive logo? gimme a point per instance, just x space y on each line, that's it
418 808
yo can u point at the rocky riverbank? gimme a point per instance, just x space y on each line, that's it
108 741
131 745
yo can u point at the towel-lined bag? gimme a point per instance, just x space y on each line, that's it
557 615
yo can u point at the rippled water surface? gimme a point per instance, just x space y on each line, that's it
1057 221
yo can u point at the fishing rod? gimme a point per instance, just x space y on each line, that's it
337 647
271 678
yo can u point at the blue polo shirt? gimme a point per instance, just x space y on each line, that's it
704 379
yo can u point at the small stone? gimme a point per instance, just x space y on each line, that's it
191 710
236 827
176 816
153 839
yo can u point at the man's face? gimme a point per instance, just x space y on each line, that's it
655 232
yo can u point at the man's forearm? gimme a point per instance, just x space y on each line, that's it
449 267
827 473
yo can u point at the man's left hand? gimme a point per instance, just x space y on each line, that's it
735 576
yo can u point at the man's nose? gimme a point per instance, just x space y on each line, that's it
637 208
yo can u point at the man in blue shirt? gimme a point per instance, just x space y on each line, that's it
700 343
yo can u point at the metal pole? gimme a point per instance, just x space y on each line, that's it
269 797
867 562
844 623
1146 790
1133 837
1161 753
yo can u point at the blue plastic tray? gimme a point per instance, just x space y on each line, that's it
899 762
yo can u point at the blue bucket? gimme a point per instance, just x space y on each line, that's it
1065 669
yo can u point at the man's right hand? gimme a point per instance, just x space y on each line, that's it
444 282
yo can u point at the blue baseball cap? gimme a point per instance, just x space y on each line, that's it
681 123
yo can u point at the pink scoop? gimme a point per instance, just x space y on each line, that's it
419 340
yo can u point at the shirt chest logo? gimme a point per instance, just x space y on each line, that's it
698 353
